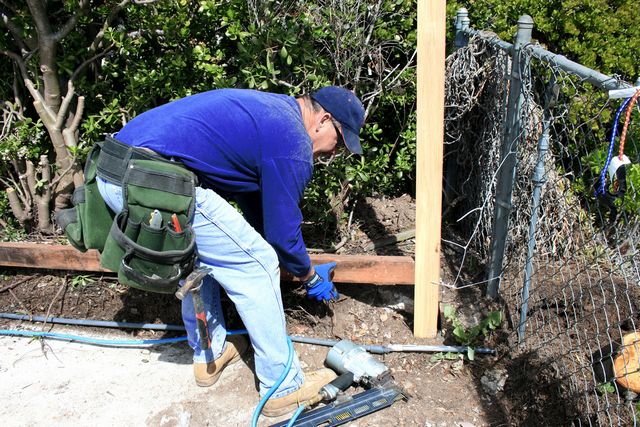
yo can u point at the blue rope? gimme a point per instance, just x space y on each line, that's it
600 191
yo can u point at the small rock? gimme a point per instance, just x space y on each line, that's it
457 366
493 380
630 396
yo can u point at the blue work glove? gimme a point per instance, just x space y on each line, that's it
320 287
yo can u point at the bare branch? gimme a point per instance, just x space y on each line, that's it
17 187
15 32
47 115
39 14
18 61
71 23
42 197
63 173
64 106
47 46
78 70
107 23
10 113
78 116
20 211
30 175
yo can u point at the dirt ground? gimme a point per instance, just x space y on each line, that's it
55 382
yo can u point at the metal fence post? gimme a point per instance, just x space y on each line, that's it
462 24
451 163
538 182
506 175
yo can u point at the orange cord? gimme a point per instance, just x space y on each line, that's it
626 123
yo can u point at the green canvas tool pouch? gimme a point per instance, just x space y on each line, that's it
88 222
151 243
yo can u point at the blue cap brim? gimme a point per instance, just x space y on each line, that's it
351 140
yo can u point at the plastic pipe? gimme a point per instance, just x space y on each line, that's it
434 348
383 349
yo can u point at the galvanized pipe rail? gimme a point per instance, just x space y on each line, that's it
596 78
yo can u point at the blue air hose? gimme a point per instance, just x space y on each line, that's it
285 371
376 349
94 341
295 415
130 343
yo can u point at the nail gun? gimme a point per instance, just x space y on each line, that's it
355 365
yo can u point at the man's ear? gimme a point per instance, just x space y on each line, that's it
326 117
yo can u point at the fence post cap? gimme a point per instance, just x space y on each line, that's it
525 20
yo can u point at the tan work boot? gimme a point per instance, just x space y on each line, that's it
313 382
208 373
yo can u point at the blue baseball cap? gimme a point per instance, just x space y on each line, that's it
347 109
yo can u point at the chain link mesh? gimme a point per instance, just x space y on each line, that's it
580 319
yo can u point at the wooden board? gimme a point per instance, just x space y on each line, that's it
429 153
43 256
381 270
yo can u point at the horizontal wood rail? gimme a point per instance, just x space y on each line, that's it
379 270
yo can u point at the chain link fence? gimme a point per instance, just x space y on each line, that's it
536 147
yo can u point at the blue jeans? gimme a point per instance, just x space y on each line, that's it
246 266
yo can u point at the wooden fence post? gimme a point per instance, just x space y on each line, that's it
430 137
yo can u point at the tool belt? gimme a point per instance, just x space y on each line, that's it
150 243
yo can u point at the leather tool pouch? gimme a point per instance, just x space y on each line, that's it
153 255
87 223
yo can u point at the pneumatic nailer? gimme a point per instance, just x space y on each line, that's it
355 365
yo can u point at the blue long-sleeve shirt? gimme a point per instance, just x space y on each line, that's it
246 145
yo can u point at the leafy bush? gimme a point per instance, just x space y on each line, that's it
169 50
601 35
153 53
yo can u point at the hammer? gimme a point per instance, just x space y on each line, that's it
192 284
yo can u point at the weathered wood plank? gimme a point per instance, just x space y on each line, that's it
381 270
44 256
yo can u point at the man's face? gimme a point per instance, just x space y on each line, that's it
325 136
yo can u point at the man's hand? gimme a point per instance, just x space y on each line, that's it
319 286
